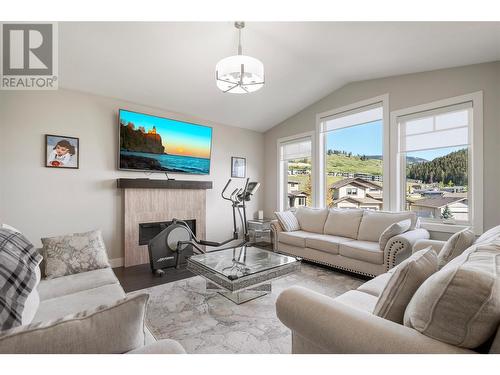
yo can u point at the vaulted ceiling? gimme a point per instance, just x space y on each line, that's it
171 65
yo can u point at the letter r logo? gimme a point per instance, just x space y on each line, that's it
27 49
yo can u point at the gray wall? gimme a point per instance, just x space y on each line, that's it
47 201
406 91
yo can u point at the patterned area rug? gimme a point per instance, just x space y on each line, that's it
206 322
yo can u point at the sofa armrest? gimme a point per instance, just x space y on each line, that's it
276 228
160 347
400 247
338 328
422 244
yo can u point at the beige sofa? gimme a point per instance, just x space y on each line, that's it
67 295
345 324
348 239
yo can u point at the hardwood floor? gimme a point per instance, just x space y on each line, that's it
140 276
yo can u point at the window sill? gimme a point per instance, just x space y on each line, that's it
441 227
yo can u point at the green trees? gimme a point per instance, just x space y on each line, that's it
446 214
448 170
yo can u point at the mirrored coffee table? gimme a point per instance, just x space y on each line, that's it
241 273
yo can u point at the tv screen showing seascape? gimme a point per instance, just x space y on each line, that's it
157 144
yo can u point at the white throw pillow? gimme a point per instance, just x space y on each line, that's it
288 221
30 307
7 226
113 329
74 253
393 230
32 301
312 219
455 246
460 304
343 222
403 283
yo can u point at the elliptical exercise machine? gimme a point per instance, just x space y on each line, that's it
170 243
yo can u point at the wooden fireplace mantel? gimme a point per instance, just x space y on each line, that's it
146 183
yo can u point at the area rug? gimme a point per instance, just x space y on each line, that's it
206 322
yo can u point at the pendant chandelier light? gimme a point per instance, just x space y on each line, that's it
239 74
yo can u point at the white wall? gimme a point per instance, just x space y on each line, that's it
48 201
406 91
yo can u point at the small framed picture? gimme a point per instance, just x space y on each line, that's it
61 151
238 167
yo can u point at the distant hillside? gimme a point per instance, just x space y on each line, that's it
353 164
132 139
451 168
375 157
409 159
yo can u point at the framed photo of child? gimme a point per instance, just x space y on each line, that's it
238 167
61 151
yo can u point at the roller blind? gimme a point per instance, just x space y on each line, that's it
358 116
442 127
296 149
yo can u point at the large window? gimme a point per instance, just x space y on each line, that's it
295 177
437 161
352 155
435 150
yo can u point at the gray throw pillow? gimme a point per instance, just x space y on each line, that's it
455 246
114 329
393 230
404 281
75 253
288 221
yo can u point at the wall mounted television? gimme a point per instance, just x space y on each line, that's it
157 144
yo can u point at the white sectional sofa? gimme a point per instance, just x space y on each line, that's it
347 324
68 295
348 239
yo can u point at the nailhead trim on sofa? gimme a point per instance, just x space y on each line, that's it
393 252
329 264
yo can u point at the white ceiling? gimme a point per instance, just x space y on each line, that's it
171 65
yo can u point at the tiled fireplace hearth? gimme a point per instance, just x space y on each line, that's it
153 201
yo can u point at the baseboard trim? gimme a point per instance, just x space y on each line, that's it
116 262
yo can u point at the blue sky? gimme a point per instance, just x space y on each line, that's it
366 139
363 139
179 138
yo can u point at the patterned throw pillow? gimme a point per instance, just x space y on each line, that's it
75 253
455 246
18 277
393 230
288 221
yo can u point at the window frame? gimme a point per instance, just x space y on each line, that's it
281 191
475 168
349 191
321 175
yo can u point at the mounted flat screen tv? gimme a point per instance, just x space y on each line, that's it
156 144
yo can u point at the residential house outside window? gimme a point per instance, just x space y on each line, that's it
435 157
295 185
352 166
